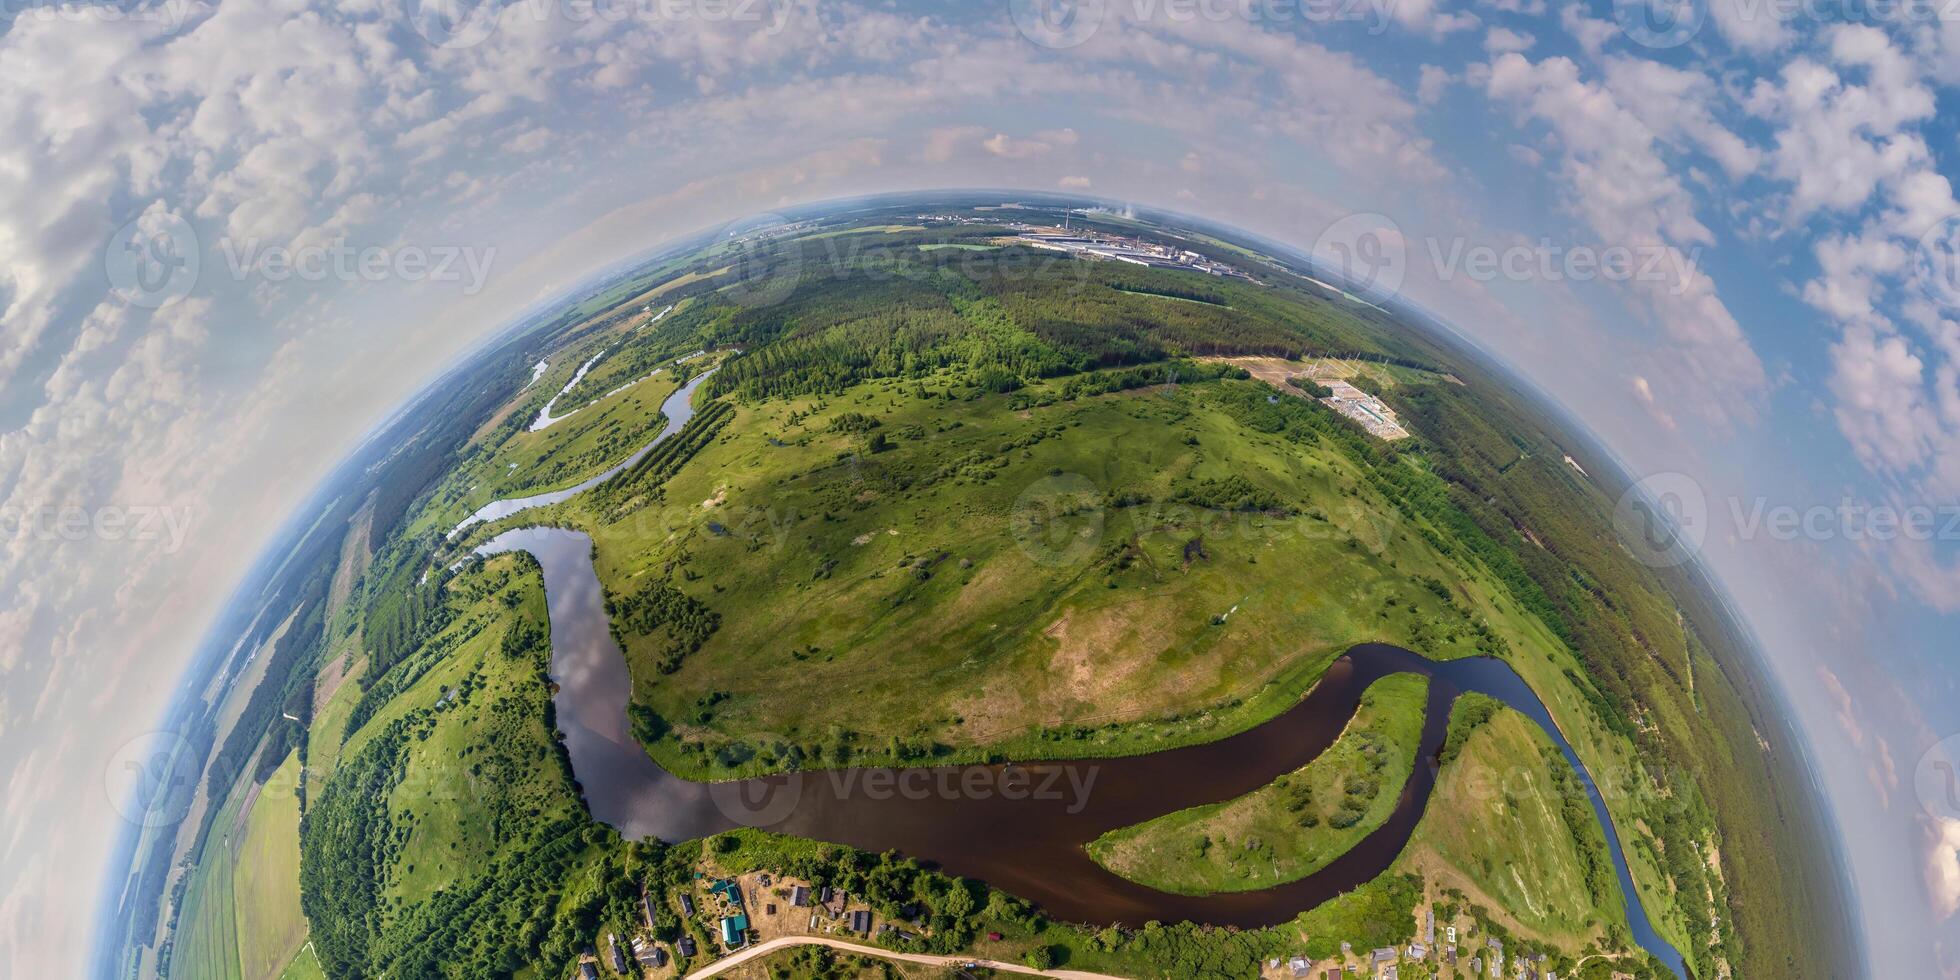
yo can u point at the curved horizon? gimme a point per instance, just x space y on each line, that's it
1717 242
301 516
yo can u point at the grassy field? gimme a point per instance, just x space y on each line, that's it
481 775
265 883
1500 829
1293 826
304 966
241 918
207 928
1110 573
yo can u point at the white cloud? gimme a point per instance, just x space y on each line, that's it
1499 40
1625 191
1430 83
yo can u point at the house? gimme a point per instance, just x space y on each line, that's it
646 907
1418 951
686 945
612 953
587 971
825 894
728 889
647 954
1386 954
1300 965
861 921
735 931
799 896
687 905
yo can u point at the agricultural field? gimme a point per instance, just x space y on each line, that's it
1293 826
265 889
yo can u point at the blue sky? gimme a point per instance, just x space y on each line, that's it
1784 168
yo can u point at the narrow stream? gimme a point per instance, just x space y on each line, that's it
1021 828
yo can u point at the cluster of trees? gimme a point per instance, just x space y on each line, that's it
641 483
1232 493
680 622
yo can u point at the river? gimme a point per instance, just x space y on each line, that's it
1021 828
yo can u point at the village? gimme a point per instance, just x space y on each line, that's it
725 915
722 918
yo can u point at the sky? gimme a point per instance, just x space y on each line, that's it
235 236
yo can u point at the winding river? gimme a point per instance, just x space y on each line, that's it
1021 828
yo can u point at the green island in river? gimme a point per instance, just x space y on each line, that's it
951 496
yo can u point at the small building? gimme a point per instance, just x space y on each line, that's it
646 907
1300 965
648 954
613 953
1418 951
687 904
735 931
729 889
1386 954
587 971
799 896
861 921
687 946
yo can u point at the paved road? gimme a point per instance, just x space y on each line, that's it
785 942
